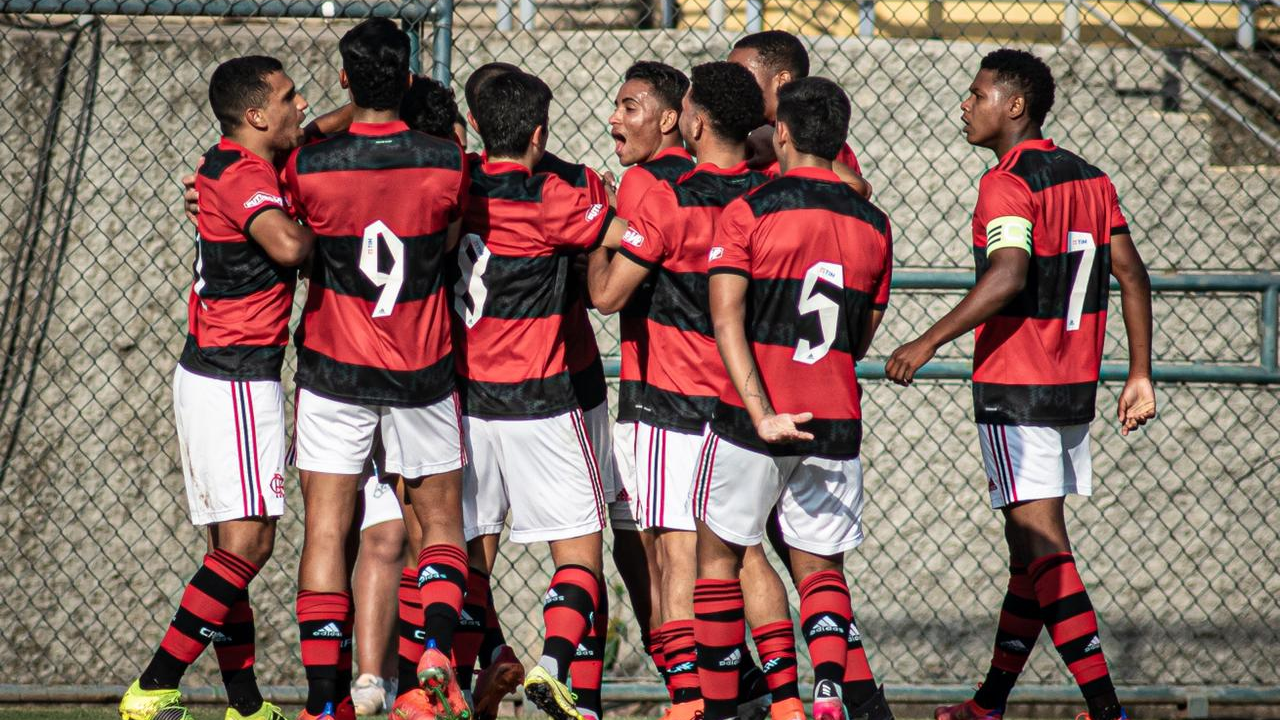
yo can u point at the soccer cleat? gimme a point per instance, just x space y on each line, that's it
967 710
1122 716
875 708
827 704
369 694
266 712
550 695
497 681
789 709
753 695
413 705
435 673
139 704
328 713
690 710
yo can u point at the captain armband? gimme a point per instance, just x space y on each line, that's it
1008 231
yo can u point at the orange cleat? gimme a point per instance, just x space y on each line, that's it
789 709
344 711
413 705
495 682
435 673
691 710
967 710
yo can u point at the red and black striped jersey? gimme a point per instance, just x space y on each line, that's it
1036 362
583 354
238 309
671 236
818 257
667 166
509 297
846 157
380 198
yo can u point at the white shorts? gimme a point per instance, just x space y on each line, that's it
622 511
599 431
819 500
666 461
1025 462
333 436
231 437
380 503
544 470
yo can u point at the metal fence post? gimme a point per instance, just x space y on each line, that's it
866 19
442 42
505 17
755 15
1071 23
1246 28
528 12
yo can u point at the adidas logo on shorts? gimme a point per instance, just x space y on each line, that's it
734 658
824 626
328 631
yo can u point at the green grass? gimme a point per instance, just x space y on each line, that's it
96 712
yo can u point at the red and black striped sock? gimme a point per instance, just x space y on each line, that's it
858 685
412 644
321 618
1016 635
720 630
566 610
776 644
587 669
470 632
1073 626
442 581
205 605
680 652
659 639
234 647
824 621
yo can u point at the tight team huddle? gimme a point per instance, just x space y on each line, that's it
445 352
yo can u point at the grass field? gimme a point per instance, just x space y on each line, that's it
97 712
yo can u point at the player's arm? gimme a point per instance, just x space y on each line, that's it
1005 278
870 323
612 282
728 297
285 241
852 179
1138 399
331 123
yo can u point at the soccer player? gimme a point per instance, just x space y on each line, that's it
374 352
375 581
1047 233
228 404
775 58
799 282
525 432
645 126
428 106
669 239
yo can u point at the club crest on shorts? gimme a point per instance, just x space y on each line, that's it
277 485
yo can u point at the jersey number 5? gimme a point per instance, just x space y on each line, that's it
469 293
390 281
1082 243
828 310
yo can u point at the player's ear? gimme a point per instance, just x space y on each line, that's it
255 118
1017 106
781 137
471 120
669 121
342 79
538 140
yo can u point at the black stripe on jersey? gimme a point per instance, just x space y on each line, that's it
1042 169
668 168
217 160
572 173
1049 280
237 269
1119 230
1038 405
513 185
527 399
835 439
589 385
233 362
680 301
797 193
707 189
775 318
330 378
398 151
673 411
524 283
338 266
629 394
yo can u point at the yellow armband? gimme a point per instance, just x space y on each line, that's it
1008 231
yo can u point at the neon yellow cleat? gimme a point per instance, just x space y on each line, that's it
139 704
266 712
550 695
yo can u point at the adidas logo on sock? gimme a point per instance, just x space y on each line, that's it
1015 646
582 651
734 658
464 618
213 635
770 664
551 597
1094 644
825 626
680 668
854 635
428 574
328 631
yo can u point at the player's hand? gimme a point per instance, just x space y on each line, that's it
190 198
906 360
1137 404
610 186
781 428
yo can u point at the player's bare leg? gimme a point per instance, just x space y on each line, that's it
635 555
375 581
677 555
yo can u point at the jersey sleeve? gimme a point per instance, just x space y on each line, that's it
635 183
1004 214
880 300
464 185
247 190
645 241
848 158
575 218
731 246
1119 224
290 186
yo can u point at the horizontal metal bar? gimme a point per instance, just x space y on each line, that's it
1110 372
411 10
1160 282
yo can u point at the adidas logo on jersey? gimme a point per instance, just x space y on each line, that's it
1015 646
632 237
1094 645
733 660
551 597
681 668
824 626
261 197
594 211
328 631
213 635
428 574
716 253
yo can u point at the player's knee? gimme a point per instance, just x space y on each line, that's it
384 542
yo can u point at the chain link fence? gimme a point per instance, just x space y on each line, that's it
101 115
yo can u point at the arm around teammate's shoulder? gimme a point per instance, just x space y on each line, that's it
285 241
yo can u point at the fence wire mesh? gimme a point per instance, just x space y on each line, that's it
101 116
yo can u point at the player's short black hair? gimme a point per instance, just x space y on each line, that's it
668 83
239 84
375 55
778 50
816 112
429 107
731 98
482 75
1026 74
509 107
